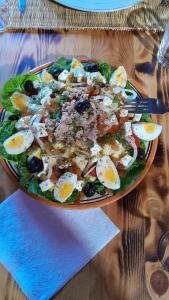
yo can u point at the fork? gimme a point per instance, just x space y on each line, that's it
146 106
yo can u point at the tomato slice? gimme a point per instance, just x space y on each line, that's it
93 172
137 142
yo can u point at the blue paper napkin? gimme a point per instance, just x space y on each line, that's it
44 247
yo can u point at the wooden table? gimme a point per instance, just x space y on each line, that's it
128 268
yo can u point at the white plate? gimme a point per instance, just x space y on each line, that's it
98 5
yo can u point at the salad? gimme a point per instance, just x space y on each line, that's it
68 133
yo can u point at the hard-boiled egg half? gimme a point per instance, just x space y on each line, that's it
18 142
76 64
119 77
65 186
107 173
146 131
20 101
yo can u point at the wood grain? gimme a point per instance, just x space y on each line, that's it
128 268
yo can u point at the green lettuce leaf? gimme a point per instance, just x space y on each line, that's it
15 84
60 64
128 86
7 129
133 173
105 69
24 173
146 118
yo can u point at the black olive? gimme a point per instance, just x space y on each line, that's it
29 88
140 154
35 165
55 72
81 106
13 118
89 189
91 67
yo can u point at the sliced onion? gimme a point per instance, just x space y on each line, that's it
131 141
50 170
40 143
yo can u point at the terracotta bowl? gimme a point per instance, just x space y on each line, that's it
98 201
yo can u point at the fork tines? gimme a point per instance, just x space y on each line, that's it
136 106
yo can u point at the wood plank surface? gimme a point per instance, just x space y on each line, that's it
128 268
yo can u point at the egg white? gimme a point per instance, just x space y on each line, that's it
63 182
103 164
140 131
119 77
26 139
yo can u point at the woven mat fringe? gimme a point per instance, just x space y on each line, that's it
150 15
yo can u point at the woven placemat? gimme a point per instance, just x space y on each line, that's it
148 15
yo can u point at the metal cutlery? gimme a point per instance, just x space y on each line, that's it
146 106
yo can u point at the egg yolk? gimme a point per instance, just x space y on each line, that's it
65 190
149 127
16 142
109 175
19 101
120 77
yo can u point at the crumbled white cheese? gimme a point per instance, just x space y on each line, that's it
126 160
79 74
40 130
34 107
46 185
36 84
107 150
80 161
137 117
107 104
95 76
35 119
95 149
45 100
123 113
21 123
79 185
63 75
127 128
113 120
